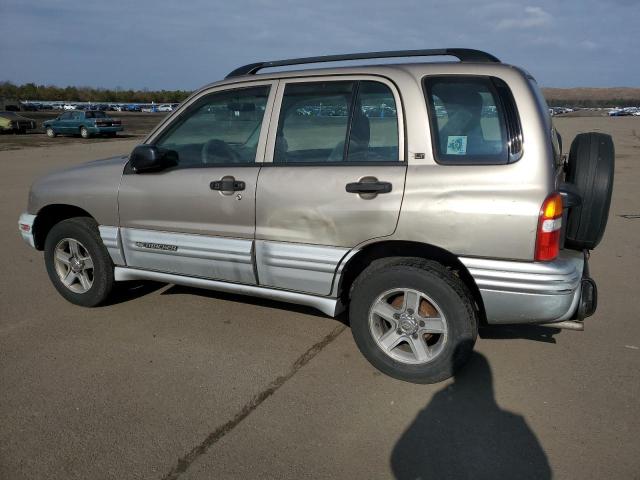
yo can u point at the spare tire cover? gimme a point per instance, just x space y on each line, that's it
590 169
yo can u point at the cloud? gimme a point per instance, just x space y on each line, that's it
533 17
169 45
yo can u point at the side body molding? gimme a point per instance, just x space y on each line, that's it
300 267
111 239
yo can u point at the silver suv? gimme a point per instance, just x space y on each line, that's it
425 198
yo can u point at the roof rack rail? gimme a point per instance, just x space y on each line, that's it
464 54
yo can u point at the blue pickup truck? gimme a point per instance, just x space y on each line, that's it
84 123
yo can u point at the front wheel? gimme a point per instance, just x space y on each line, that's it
50 132
77 262
413 319
84 133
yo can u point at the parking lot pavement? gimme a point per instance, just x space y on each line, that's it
172 382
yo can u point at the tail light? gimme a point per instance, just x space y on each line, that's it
549 228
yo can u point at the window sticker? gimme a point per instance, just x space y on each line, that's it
456 145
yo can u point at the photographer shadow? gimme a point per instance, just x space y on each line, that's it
463 433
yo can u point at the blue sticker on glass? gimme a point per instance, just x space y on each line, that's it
456 145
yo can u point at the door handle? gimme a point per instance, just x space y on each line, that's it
369 187
227 184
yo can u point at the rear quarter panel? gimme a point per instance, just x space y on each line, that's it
481 211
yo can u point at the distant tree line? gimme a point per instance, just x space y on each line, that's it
594 103
31 91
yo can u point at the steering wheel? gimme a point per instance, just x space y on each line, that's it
217 151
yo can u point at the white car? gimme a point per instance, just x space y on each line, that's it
165 108
69 107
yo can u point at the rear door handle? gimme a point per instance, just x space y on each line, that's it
227 185
369 187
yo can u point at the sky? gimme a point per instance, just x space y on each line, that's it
183 44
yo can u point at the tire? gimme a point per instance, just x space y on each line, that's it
59 260
50 132
590 168
84 133
436 292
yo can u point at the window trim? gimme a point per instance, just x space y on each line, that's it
275 117
186 107
504 100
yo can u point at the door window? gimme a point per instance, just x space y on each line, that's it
220 128
329 122
65 116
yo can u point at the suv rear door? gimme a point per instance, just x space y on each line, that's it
333 177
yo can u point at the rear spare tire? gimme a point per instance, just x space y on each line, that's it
590 169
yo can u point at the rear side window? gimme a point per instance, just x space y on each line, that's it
336 122
473 120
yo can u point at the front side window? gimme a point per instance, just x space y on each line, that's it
65 116
329 122
220 128
467 121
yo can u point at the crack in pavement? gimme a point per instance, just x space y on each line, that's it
185 461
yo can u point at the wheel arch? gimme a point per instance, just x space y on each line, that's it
389 249
49 215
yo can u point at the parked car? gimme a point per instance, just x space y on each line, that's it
31 107
83 123
165 108
423 225
12 122
68 106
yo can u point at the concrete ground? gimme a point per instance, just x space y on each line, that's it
170 382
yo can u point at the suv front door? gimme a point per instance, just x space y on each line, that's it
198 218
333 178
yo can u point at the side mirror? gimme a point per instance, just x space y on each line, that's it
149 158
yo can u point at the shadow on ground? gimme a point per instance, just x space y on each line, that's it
537 333
463 433
130 290
249 300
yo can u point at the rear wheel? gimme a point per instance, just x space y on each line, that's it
413 319
50 132
84 133
77 262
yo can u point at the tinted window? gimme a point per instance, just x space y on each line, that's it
95 115
313 122
467 121
221 128
374 129
65 116
317 118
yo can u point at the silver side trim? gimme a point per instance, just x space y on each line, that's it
528 292
188 254
295 266
328 306
25 225
111 239
559 277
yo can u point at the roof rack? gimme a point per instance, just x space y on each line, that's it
464 54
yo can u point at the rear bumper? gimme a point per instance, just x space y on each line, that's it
116 128
532 292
